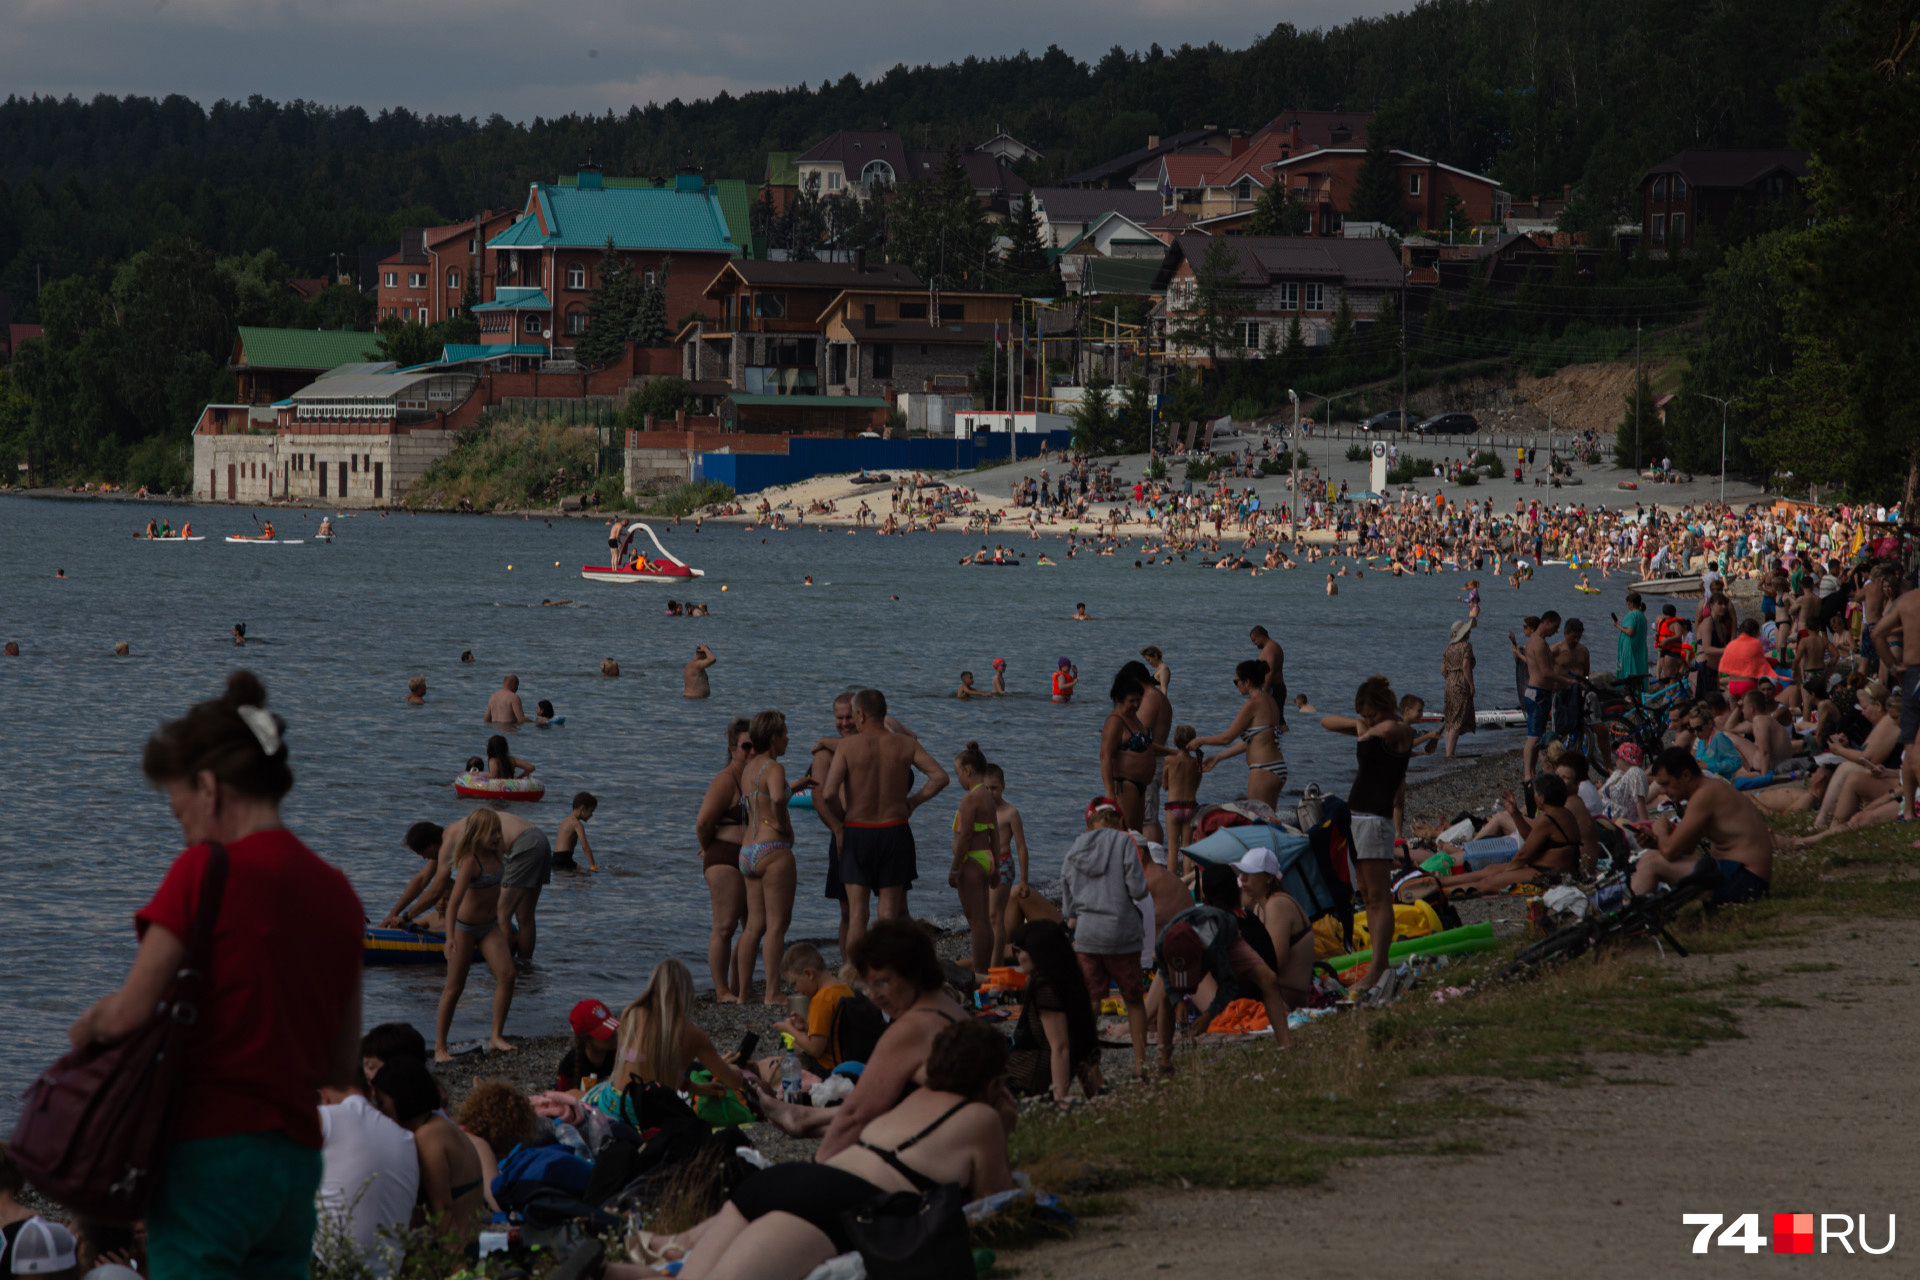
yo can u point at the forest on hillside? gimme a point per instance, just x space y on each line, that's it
1539 93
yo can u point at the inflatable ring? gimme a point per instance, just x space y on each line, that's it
478 786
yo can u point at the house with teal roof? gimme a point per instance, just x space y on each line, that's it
548 260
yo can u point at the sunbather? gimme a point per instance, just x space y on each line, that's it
1550 844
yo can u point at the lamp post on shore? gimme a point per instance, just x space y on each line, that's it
1723 442
1293 460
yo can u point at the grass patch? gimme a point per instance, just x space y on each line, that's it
1395 1082
688 497
508 462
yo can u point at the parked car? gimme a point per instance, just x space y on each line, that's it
1448 424
1391 420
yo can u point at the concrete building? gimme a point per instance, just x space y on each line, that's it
351 440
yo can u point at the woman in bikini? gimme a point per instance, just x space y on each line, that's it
1254 733
1180 778
1550 845
1010 863
452 1199
721 830
1127 751
473 905
658 1043
976 852
766 862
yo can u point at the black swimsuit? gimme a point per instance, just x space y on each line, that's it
818 1194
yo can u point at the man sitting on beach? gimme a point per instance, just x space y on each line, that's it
1718 817
873 770
504 706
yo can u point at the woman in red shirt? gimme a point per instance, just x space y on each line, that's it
279 1014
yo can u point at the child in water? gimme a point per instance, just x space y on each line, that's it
999 677
543 713
1473 598
966 689
1180 781
1064 678
573 832
1010 873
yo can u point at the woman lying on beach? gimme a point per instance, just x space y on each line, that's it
785 1221
1551 845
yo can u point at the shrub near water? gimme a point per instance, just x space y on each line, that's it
516 463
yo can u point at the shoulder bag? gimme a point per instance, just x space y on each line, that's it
96 1127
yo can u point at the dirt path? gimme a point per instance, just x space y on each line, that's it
1814 1111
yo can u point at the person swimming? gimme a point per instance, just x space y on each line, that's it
999 676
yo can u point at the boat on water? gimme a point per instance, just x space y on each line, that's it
198 537
1687 586
265 542
668 568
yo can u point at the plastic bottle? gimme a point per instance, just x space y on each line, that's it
790 1078
570 1137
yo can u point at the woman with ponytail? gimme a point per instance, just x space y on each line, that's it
279 1010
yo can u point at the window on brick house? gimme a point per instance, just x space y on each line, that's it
453 280
576 276
532 323
1289 295
576 322
390 280
1314 298
416 279
1413 184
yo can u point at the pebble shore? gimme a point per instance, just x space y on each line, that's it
1474 787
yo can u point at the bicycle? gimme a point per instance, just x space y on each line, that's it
1637 917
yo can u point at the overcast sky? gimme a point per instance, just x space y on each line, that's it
524 58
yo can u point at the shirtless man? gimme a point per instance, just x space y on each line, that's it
504 706
1538 696
1276 659
694 678
1902 619
865 803
1170 896
1570 659
1716 814
1772 744
527 865
824 751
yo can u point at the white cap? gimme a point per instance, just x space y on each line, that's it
1257 861
43 1249
1158 852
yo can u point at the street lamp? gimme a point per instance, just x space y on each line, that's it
1293 459
1548 403
1328 401
1723 442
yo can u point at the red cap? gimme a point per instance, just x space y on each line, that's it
1102 804
590 1018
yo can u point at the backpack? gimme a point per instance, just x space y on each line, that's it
856 1029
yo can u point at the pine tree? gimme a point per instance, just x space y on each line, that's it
1025 266
610 312
650 317
1136 430
1094 428
1340 328
1278 213
1216 301
1376 189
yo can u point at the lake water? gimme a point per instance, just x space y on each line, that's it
336 630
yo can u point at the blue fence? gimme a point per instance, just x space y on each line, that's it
809 456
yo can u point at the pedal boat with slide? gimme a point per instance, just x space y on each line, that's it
668 568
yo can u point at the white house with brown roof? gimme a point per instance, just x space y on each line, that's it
1283 278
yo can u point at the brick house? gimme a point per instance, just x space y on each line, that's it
818 330
1708 187
544 265
1204 182
766 336
1282 278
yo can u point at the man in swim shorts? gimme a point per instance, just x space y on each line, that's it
1723 819
528 865
504 706
873 770
1537 698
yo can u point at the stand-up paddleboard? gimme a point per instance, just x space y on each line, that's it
267 542
198 537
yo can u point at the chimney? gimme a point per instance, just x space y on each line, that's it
413 242
1153 140
860 260
587 176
